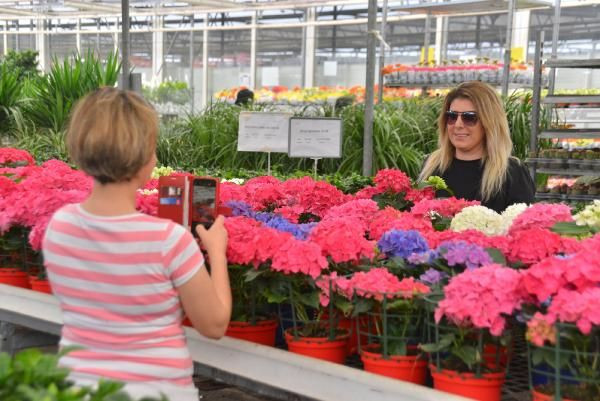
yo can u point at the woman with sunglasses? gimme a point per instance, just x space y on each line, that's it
474 155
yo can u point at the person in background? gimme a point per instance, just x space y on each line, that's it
124 279
474 153
244 97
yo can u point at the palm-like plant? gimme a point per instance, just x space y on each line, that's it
55 94
11 99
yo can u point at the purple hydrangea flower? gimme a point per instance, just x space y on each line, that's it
276 221
432 276
462 253
422 258
401 243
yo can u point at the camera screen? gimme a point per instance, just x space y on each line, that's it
204 200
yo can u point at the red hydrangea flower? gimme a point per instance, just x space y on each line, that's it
11 157
343 240
416 195
267 243
368 193
147 202
532 245
392 180
241 231
229 191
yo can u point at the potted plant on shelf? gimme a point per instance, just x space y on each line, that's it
394 319
470 345
257 260
562 303
12 259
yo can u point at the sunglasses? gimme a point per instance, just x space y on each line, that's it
469 118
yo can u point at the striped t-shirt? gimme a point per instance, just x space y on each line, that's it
116 279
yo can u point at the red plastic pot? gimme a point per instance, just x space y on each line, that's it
263 332
14 277
489 356
319 347
40 285
484 388
409 368
544 397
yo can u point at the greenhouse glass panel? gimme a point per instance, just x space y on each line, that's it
279 57
228 59
340 55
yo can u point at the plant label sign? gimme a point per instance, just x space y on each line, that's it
263 132
315 137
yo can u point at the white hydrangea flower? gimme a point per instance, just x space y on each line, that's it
510 213
148 191
589 216
238 181
162 171
478 218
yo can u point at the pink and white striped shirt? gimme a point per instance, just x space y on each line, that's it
116 279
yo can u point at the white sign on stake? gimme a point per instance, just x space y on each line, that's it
263 132
315 137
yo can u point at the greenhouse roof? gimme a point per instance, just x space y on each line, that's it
86 8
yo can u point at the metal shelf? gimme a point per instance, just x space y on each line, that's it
556 171
588 63
583 133
579 101
453 84
566 197
468 6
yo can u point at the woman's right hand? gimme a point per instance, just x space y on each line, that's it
215 238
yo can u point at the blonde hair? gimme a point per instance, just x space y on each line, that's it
497 141
112 134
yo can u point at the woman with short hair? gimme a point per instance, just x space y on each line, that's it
474 153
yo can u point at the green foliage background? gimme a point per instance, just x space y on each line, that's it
34 114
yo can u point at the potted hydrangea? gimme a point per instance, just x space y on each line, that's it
472 315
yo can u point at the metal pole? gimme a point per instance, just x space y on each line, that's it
555 26
509 28
369 86
192 91
125 84
537 90
382 51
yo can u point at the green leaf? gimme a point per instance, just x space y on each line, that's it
252 274
344 305
310 299
445 341
468 354
570 229
496 255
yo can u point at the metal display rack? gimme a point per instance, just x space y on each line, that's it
566 166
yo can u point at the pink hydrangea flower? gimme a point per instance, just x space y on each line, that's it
482 298
579 307
295 256
541 215
541 329
447 207
362 210
390 218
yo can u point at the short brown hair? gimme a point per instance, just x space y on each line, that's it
112 134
